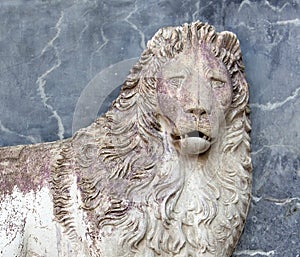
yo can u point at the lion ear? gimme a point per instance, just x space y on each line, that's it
228 47
228 41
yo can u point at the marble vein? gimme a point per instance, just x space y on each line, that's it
134 26
99 49
105 40
281 202
196 12
272 106
275 8
42 81
199 10
7 130
245 2
295 22
255 253
86 25
247 26
256 199
293 148
276 201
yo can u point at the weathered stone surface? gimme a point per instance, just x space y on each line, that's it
165 172
66 44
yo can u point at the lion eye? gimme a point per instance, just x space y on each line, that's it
216 84
175 82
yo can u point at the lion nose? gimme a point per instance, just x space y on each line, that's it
197 111
200 97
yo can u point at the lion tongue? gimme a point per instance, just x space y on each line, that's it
194 145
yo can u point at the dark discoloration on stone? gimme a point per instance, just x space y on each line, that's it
25 167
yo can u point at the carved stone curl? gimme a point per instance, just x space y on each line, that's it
165 172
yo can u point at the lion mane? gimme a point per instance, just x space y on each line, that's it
135 183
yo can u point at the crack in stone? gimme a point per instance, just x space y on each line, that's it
41 81
272 106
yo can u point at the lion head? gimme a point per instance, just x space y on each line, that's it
173 169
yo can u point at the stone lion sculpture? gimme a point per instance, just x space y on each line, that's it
165 172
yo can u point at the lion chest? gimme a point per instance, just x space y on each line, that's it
195 209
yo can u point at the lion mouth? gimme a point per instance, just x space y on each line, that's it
194 133
193 142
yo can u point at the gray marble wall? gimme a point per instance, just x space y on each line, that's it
53 51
